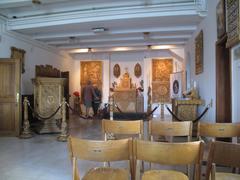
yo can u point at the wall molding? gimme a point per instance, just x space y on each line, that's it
33 42
102 14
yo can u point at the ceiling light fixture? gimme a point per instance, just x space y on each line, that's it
99 29
161 47
36 2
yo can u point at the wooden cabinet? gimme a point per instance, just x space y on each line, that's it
48 94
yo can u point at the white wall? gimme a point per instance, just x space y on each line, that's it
126 60
129 60
36 54
206 81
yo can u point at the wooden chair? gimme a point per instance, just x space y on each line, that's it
225 154
101 151
217 130
172 129
168 154
117 127
134 127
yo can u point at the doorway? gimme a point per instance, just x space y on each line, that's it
10 97
223 82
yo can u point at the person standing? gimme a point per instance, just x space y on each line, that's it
96 100
88 95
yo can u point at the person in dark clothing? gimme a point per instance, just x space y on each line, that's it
96 100
88 96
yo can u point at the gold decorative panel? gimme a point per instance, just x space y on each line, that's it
199 53
161 70
91 70
48 94
233 13
19 54
126 100
221 20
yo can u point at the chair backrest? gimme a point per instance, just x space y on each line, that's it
132 127
100 151
223 153
170 153
163 128
218 130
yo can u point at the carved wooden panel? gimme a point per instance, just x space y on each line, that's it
126 100
91 70
161 70
19 54
48 94
46 71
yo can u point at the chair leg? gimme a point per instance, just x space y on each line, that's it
142 170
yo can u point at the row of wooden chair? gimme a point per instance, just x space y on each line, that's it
172 129
161 128
134 151
188 153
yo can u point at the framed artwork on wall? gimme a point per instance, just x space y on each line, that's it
221 20
17 53
116 70
199 53
138 70
233 24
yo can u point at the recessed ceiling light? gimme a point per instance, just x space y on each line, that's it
99 29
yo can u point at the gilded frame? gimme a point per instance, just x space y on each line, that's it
199 53
137 70
116 70
221 19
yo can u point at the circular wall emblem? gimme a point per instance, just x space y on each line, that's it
175 87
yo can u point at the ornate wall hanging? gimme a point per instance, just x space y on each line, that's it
19 54
233 34
91 70
199 53
161 70
116 71
137 70
221 21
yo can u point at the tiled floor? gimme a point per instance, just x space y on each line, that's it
44 158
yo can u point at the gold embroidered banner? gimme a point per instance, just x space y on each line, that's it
161 70
91 70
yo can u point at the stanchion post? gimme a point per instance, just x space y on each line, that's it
111 106
64 132
162 111
26 133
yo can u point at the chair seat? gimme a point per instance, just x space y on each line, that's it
227 176
106 173
164 175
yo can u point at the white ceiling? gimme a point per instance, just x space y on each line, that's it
68 24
